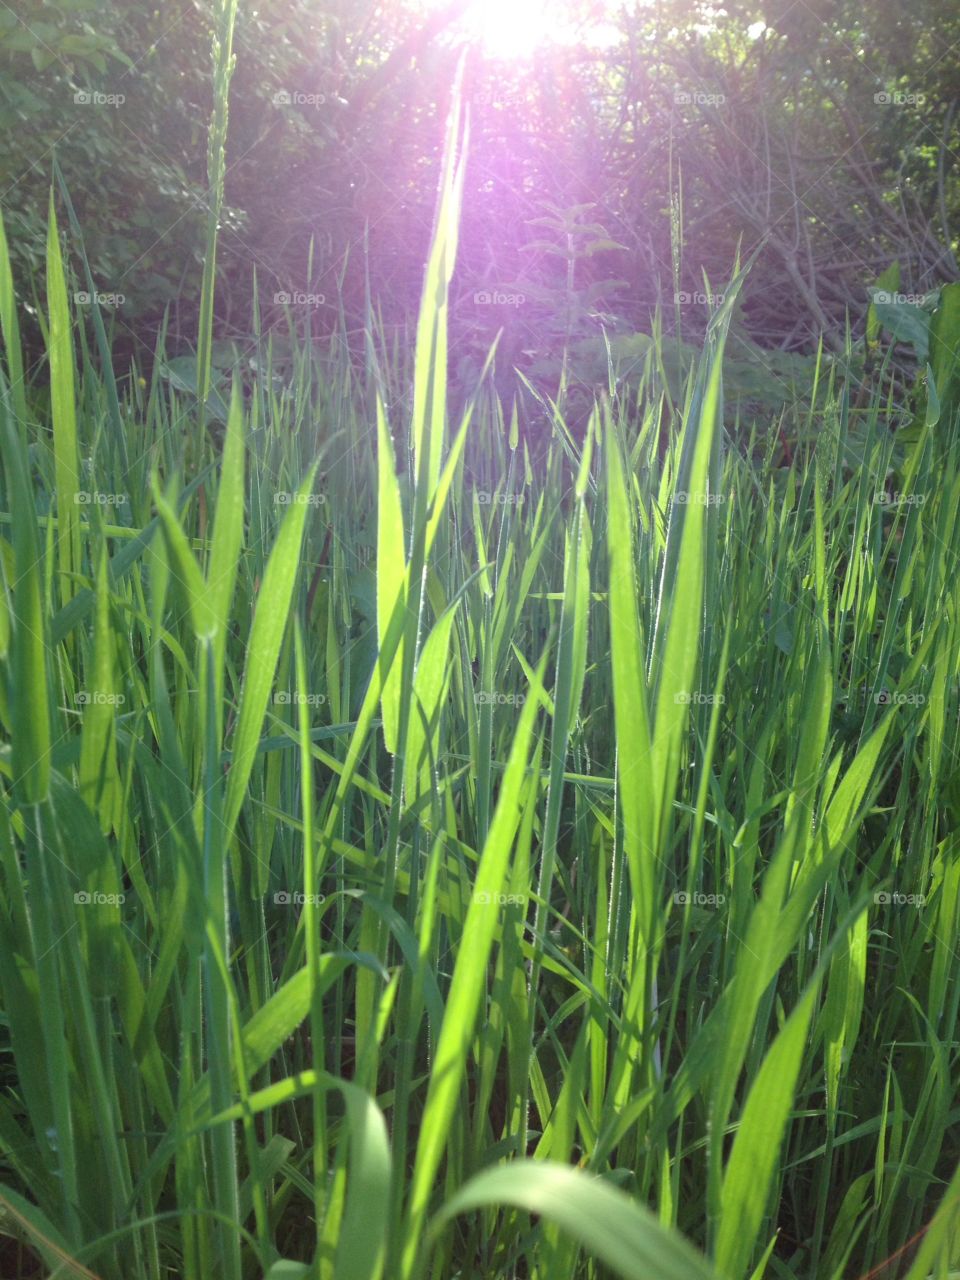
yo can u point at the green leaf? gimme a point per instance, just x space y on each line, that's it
42 1234
10 330
756 1147
63 412
30 709
187 571
945 350
99 783
907 321
616 1230
887 282
391 574
263 649
469 976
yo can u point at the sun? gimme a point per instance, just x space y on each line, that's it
514 29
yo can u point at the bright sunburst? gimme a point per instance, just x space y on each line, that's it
514 28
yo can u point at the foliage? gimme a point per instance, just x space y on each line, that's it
822 137
626 913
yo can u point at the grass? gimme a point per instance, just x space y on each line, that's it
417 861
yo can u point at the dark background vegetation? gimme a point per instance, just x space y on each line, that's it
829 137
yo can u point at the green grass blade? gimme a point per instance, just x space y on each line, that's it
263 649
63 412
622 1234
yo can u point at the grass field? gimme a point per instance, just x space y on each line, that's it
421 859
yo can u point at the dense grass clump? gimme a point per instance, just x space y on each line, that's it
417 862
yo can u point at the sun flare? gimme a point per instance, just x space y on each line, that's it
513 29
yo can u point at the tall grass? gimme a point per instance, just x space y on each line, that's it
417 863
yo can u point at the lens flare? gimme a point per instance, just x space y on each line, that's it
511 29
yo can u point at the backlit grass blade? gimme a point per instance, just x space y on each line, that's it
634 749
103 346
756 1147
100 784
391 572
270 619
618 1231
429 686
63 412
227 534
467 984
681 601
362 1236
430 359
187 571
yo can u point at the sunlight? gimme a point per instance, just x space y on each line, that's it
514 28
